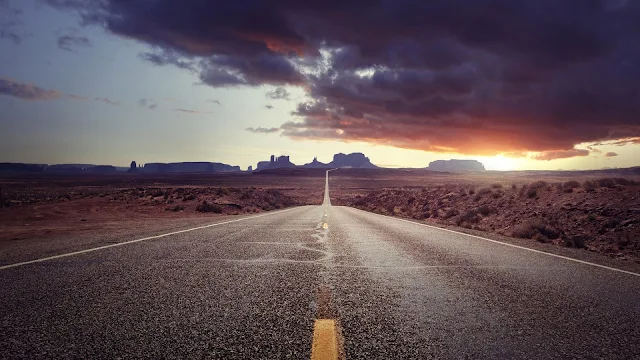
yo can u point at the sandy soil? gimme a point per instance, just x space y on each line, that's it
574 209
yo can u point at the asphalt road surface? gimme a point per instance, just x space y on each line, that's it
251 288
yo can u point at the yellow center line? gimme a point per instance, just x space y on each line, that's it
325 340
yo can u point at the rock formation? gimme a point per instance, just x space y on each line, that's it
315 164
456 165
188 167
353 160
275 163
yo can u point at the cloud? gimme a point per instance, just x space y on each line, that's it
167 57
561 154
193 111
147 103
513 77
77 97
611 154
26 91
261 130
268 106
69 40
108 101
214 101
278 93
10 23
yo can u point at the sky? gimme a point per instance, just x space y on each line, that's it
517 85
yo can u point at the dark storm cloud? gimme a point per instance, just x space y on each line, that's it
268 106
26 91
468 76
262 130
611 154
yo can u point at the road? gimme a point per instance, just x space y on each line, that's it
251 288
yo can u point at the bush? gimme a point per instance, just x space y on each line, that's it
189 197
176 208
486 211
206 207
570 185
470 217
450 213
532 193
514 186
481 193
496 186
224 191
538 185
530 228
623 181
589 186
606 182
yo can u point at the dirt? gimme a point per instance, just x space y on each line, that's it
574 209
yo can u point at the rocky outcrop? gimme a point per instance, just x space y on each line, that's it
275 163
353 160
102 169
188 167
315 164
456 166
22 168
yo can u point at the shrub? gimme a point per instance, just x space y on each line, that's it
450 213
481 193
623 181
472 191
589 186
497 194
606 182
530 228
224 191
157 192
496 186
532 193
470 217
176 208
538 185
514 186
206 207
189 197
486 211
570 185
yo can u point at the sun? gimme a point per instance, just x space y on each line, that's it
500 163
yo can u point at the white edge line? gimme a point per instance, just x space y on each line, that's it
506 244
138 240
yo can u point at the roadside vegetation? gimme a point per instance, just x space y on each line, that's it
600 215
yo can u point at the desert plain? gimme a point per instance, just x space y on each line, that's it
591 211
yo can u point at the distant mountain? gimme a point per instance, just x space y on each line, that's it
22 168
315 164
188 167
275 163
456 165
353 160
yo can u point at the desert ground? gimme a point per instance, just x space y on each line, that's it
596 211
